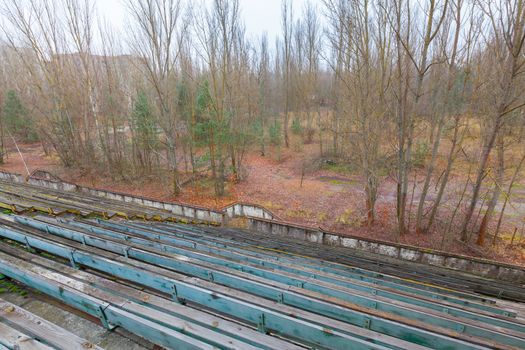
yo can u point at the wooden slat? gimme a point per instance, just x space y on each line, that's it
286 321
220 324
10 338
42 329
426 319
110 314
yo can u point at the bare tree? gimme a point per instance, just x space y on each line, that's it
287 27
361 39
35 30
452 23
221 43
156 37
414 56
506 61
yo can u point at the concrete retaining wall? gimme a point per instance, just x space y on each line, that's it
192 212
11 177
189 211
476 266
244 209
263 220
56 185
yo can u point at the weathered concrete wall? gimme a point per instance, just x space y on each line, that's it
263 220
481 267
186 210
245 209
11 177
56 185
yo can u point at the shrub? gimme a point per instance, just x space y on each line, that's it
297 129
420 154
275 133
309 135
17 119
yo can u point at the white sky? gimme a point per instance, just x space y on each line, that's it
258 15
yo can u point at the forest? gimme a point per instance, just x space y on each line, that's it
421 102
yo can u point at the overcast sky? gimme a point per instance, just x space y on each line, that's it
258 15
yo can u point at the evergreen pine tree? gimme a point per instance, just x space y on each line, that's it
144 128
16 119
144 123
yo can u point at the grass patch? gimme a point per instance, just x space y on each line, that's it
271 206
518 186
349 218
8 286
342 182
322 216
206 187
300 213
338 167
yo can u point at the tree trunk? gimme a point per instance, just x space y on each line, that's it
235 171
428 177
495 194
371 198
1 138
444 180
507 197
511 68
487 148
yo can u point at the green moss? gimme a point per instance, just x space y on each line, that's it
342 182
518 185
8 286
337 167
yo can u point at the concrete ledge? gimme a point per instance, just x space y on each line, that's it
181 209
476 266
11 177
263 220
